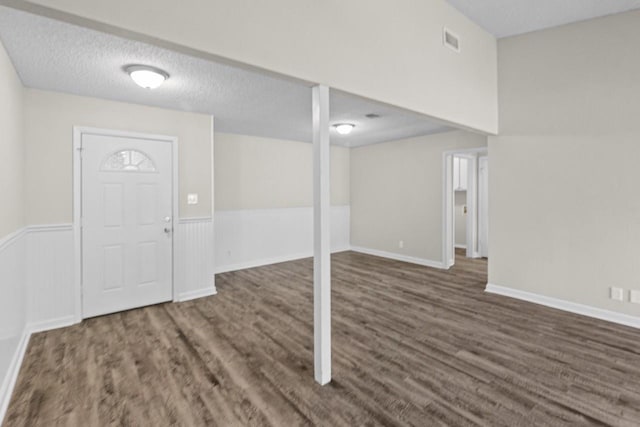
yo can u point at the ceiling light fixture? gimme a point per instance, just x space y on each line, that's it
344 128
145 76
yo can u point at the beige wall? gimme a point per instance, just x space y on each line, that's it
51 117
396 193
11 148
564 205
262 173
390 51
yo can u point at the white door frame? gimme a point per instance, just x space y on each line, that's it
480 252
78 131
448 244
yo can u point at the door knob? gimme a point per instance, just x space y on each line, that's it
168 230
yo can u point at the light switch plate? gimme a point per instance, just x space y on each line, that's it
634 297
192 199
617 294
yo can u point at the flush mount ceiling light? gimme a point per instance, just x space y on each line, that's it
145 76
344 128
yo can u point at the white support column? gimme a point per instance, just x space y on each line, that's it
321 236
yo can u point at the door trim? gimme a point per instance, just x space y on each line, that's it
448 244
78 131
481 253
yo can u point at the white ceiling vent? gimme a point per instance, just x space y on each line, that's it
451 40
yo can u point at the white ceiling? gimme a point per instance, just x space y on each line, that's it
504 18
53 55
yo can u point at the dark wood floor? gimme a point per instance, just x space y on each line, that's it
412 346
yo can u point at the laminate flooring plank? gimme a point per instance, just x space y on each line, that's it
412 346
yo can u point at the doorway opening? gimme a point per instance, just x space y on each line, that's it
465 191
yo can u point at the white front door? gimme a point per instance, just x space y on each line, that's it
127 223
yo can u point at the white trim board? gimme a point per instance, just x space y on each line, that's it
47 325
400 257
9 383
49 227
261 262
268 261
571 307
7 386
13 327
195 219
199 293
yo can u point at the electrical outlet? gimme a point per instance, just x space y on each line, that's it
192 199
617 294
401 244
634 297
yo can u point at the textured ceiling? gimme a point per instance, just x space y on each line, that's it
58 56
504 18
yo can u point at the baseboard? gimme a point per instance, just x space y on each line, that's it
12 374
400 257
198 293
261 262
47 325
572 307
338 250
274 260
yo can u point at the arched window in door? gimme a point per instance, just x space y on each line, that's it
128 161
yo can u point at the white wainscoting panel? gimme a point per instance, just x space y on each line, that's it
194 275
51 292
254 237
13 284
13 316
